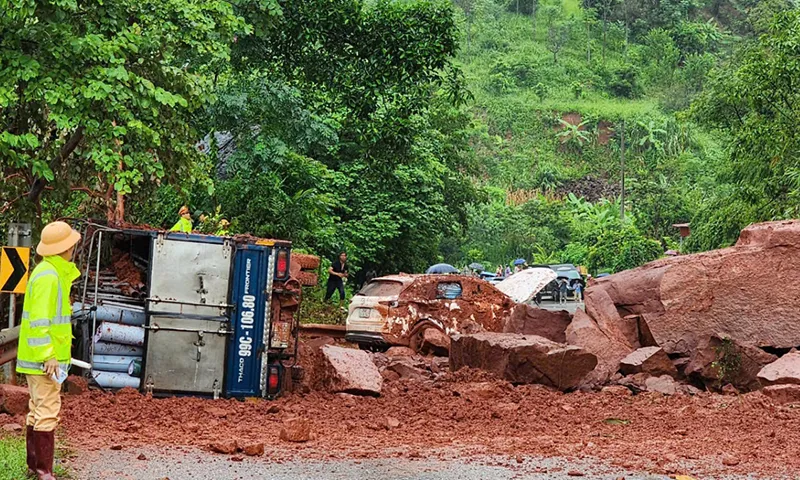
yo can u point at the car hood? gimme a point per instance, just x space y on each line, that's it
522 286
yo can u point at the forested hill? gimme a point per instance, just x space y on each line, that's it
408 132
557 85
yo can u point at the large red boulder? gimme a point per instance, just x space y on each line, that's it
351 371
609 350
783 394
686 299
650 360
529 320
716 361
522 358
601 307
782 371
434 341
13 399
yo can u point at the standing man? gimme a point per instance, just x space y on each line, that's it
184 223
336 275
45 341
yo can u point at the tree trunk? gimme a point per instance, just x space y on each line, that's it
119 211
588 43
117 215
605 29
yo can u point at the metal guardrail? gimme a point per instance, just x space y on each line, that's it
8 344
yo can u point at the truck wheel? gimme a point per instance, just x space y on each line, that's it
306 262
418 343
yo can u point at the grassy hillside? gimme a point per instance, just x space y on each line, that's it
551 99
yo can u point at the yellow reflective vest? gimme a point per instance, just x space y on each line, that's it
184 225
46 329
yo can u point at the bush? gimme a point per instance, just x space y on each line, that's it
574 253
622 249
697 37
623 81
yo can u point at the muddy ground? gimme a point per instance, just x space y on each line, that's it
465 415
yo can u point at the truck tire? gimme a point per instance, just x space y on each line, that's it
306 262
307 279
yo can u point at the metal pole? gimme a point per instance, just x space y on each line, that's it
96 286
622 163
9 368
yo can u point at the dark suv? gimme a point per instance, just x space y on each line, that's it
563 270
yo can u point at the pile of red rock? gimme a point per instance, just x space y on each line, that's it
725 318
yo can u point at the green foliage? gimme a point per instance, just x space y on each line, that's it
622 81
621 249
362 125
314 308
694 38
348 131
101 96
754 100
728 361
13 458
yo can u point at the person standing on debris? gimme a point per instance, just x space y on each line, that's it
45 342
185 223
508 271
336 275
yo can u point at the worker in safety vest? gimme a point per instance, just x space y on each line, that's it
222 229
185 223
45 341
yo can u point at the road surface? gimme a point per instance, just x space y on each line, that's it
195 464
570 306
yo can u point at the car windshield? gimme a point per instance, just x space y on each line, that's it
382 288
568 273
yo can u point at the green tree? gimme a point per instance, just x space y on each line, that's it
756 101
100 97
362 100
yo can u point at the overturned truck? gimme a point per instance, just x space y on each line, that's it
172 313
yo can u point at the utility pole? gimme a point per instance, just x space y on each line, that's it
622 170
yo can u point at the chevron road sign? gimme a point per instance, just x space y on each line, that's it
14 264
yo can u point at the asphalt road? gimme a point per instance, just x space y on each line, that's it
570 306
180 464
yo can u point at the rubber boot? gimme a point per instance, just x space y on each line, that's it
30 450
44 445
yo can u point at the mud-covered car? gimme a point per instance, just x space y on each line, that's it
397 309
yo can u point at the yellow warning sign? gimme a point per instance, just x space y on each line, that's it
14 264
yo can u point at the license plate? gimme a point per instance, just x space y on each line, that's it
364 312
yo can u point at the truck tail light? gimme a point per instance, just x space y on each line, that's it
282 265
273 380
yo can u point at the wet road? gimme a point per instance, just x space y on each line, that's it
179 464
570 306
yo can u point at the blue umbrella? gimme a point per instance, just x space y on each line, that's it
476 266
442 268
520 261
